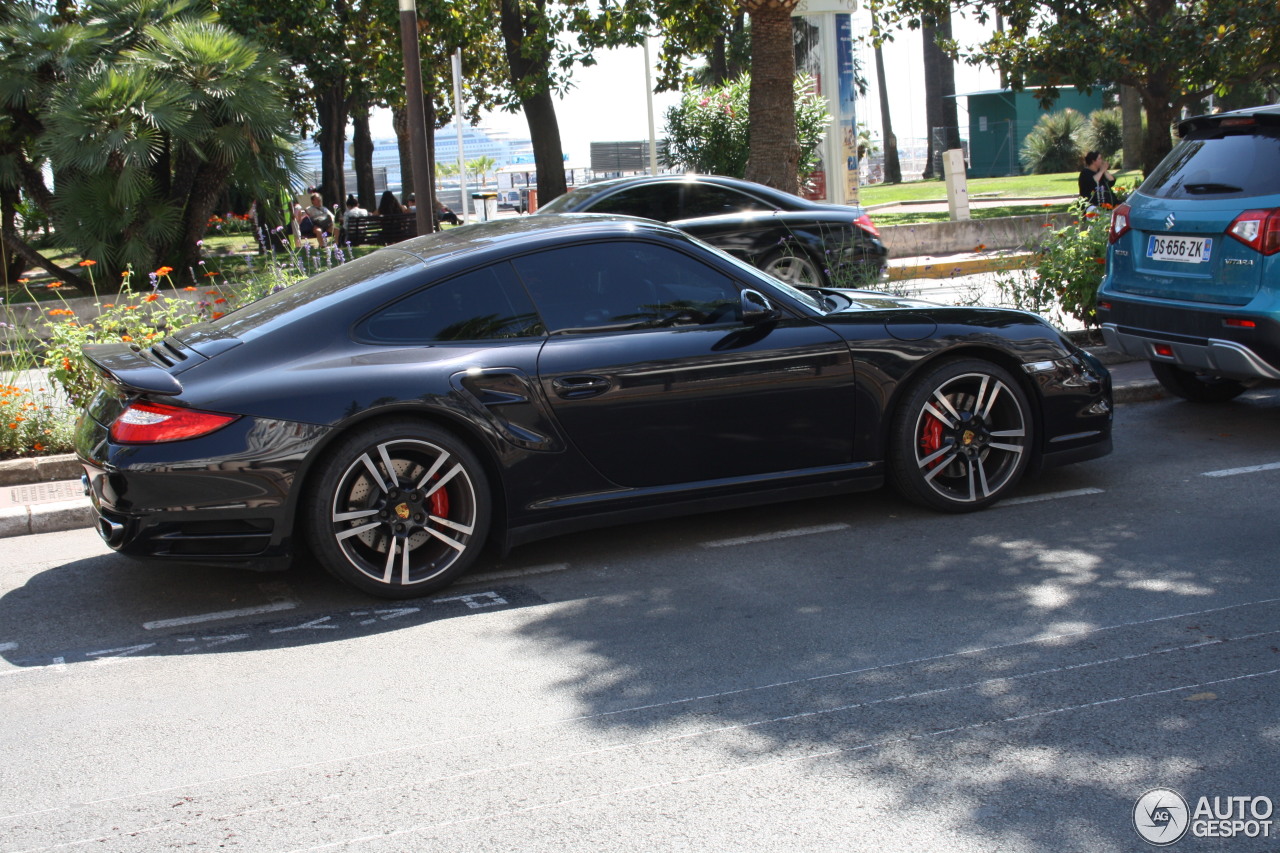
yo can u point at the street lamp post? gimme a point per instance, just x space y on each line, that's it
416 114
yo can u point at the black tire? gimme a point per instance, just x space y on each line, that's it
399 510
962 436
1196 387
795 268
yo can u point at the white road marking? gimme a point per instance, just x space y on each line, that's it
1231 472
485 577
384 615
475 600
777 534
314 623
280 595
107 656
8 647
1049 496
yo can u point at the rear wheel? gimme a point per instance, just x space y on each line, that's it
794 268
400 509
962 437
1197 387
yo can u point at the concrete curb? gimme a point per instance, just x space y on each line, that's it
942 268
39 469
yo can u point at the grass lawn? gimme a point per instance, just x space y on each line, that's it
1015 186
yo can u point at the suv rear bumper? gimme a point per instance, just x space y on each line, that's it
1211 355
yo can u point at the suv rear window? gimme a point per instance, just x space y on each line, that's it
1219 164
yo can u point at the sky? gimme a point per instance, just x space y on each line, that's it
607 102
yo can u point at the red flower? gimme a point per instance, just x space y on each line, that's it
87 262
151 297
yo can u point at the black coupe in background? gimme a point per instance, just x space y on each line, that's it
525 377
804 243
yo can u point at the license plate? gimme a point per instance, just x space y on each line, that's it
1184 250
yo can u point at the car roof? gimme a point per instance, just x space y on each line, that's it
1268 114
750 187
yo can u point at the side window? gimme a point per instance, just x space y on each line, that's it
626 285
652 201
484 304
712 200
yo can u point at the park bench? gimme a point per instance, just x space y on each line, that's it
380 230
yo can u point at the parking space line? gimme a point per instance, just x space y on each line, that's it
507 574
1250 469
778 534
1050 496
8 647
221 614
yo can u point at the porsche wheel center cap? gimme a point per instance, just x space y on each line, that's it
402 511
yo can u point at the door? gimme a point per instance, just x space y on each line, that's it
655 377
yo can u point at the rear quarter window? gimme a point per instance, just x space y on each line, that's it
1219 164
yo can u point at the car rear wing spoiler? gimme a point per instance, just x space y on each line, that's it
122 365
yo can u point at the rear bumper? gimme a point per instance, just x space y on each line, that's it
1224 358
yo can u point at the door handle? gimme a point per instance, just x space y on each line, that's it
580 387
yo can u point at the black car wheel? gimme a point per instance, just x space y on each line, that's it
399 510
1197 387
795 268
962 436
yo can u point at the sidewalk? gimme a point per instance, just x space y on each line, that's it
44 495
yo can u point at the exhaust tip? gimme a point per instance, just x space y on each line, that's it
112 532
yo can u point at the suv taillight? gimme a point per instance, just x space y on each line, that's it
1258 229
1119 223
152 423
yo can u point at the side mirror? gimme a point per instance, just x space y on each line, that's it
756 308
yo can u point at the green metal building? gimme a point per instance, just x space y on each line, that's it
999 119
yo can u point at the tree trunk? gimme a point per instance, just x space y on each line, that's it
892 166
775 154
400 118
11 264
526 62
362 155
1131 112
1157 141
331 108
939 82
209 182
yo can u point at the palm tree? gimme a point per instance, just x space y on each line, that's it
892 167
481 167
775 154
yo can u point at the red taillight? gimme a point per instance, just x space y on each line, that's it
864 222
1232 322
151 423
1258 229
1119 223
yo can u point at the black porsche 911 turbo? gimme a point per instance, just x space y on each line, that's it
516 379
804 243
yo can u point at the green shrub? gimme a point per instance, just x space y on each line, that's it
1053 145
1104 132
709 130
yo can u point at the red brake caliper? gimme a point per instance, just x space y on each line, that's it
440 503
931 438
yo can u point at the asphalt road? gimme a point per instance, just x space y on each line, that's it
851 674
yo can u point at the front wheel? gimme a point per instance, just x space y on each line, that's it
399 510
1196 387
962 437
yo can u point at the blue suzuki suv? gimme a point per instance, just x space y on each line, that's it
1193 269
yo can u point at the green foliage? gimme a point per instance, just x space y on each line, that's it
1069 268
1104 133
1053 145
32 423
709 131
143 110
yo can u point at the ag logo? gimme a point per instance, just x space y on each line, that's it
1161 816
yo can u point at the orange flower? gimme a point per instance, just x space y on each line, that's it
212 274
131 307
164 270
37 447
217 314
1091 214
212 292
23 280
126 338
88 262
151 297
219 301
1100 260
189 288
980 247
66 364
1047 225
54 284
